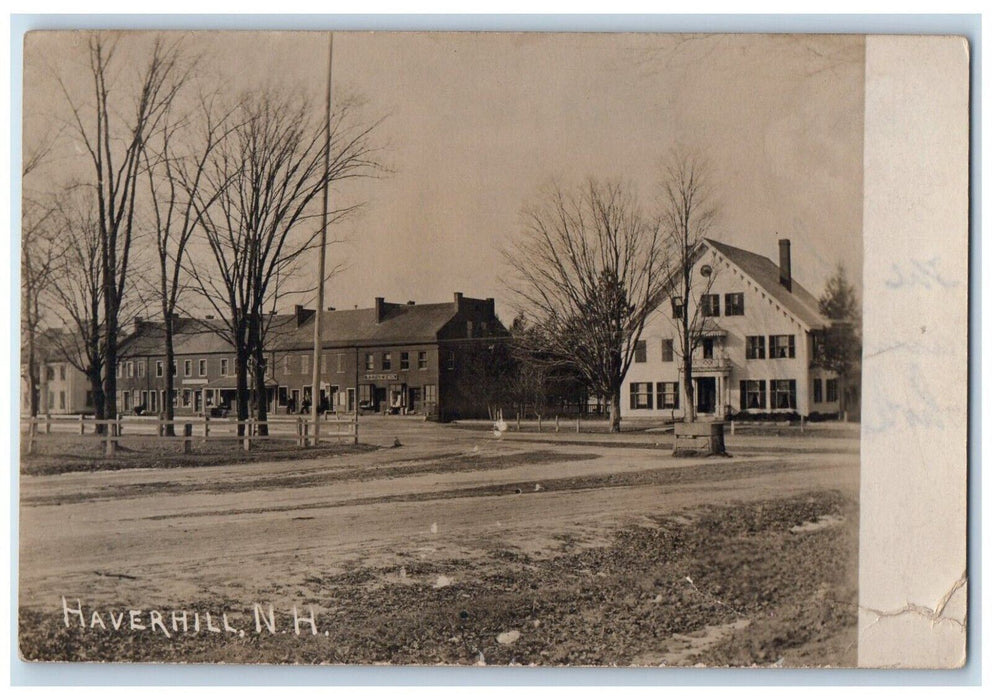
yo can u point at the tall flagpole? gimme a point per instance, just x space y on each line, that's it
315 390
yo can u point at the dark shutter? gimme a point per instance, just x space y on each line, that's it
761 393
792 394
743 395
633 395
676 386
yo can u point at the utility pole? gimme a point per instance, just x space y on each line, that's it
315 391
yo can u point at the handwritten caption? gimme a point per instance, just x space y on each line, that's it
264 619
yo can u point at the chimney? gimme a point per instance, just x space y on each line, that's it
137 323
785 263
458 301
301 314
411 302
491 307
331 308
380 304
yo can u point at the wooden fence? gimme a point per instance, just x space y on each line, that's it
300 429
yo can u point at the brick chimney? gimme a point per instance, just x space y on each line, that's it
380 308
301 314
785 263
458 301
491 307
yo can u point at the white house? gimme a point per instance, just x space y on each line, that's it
755 356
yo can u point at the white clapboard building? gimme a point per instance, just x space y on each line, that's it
755 357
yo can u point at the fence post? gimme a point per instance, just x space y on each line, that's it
246 442
577 424
31 428
111 446
206 426
120 424
556 424
48 423
187 438
82 425
539 423
731 427
356 427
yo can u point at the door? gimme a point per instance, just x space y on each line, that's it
705 394
351 400
413 401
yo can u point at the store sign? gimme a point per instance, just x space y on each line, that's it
380 377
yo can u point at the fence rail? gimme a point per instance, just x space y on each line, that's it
203 428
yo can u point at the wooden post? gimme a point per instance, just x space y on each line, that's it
246 441
299 432
187 438
539 424
355 427
576 424
557 428
206 426
120 424
31 428
111 445
48 423
731 427
82 425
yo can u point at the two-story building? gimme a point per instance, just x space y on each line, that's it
394 357
758 331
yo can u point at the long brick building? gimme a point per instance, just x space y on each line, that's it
393 357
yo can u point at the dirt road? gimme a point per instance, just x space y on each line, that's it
265 532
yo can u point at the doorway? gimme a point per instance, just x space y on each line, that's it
705 394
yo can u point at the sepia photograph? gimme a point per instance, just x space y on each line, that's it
456 349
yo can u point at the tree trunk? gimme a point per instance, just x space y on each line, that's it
261 395
170 380
615 411
32 377
241 369
690 394
99 404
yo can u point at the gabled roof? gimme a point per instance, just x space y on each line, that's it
406 323
799 302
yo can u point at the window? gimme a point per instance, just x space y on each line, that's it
223 366
817 390
120 371
369 361
130 369
141 368
175 369
707 348
667 350
783 393
668 394
422 359
159 368
153 405
186 397
340 362
187 368
781 346
831 390
50 373
709 304
201 368
62 372
676 307
641 351
89 398
387 360
62 400
430 393
752 394
734 304
469 328
640 395
404 360
451 360
305 364
323 364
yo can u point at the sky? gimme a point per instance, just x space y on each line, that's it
474 125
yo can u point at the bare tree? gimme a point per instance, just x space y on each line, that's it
256 208
38 264
113 126
175 163
78 296
687 213
588 268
